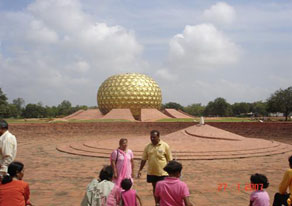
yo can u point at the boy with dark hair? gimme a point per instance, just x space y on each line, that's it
172 191
106 173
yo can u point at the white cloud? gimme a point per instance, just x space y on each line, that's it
39 33
165 74
82 66
220 13
281 81
202 47
230 90
64 15
63 51
205 90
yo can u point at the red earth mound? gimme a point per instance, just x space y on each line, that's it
177 114
86 114
119 114
151 115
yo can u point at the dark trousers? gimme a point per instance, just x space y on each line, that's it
280 199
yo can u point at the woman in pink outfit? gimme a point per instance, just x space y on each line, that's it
129 196
122 161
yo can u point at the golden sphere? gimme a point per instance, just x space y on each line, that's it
129 91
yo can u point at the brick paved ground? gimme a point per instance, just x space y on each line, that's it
57 178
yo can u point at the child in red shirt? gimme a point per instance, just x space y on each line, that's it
14 191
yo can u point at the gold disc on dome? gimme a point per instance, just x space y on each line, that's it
129 91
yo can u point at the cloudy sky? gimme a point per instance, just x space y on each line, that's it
197 50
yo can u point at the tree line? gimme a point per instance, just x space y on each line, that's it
280 101
18 109
220 107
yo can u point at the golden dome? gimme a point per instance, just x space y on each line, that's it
129 91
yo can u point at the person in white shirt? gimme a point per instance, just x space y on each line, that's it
8 147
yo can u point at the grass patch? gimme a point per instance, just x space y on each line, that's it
100 120
209 119
52 121
178 120
229 119
36 120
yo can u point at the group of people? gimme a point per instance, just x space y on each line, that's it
114 185
164 175
13 190
115 188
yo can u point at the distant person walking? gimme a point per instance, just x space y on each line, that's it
158 155
122 161
8 147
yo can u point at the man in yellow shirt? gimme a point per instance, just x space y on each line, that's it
158 155
281 197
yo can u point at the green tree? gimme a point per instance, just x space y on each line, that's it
195 109
19 104
78 107
173 105
259 108
4 110
3 98
240 108
51 111
65 108
12 111
281 101
219 107
34 111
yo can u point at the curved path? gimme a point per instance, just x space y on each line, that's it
199 142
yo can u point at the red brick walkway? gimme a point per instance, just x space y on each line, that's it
57 178
199 142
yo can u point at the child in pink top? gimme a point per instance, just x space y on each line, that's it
259 197
129 196
172 191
